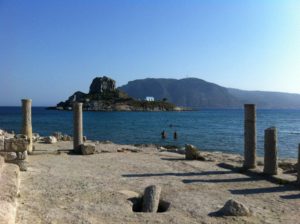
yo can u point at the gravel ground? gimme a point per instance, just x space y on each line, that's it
65 188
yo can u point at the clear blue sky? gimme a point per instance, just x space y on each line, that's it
50 49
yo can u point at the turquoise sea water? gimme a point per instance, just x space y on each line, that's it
214 130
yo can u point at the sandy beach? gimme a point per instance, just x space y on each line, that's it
59 187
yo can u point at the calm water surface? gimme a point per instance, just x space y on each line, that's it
213 130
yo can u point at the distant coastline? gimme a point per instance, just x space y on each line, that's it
126 108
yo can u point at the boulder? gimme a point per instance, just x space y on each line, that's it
87 149
67 138
58 135
161 148
191 152
23 165
16 144
50 139
234 208
35 137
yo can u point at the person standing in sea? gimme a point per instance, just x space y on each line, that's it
163 134
175 135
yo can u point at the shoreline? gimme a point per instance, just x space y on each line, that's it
216 130
168 146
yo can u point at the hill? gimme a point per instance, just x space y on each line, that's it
197 93
268 100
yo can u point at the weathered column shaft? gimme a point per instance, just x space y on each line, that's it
151 198
270 159
249 136
26 121
78 132
298 166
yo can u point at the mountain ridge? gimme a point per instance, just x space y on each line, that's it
198 93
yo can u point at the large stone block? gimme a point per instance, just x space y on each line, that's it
10 156
16 144
87 149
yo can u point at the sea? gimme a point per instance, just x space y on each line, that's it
208 129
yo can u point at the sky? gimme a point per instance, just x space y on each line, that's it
50 49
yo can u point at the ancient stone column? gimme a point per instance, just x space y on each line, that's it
78 132
249 136
298 166
270 159
151 198
26 121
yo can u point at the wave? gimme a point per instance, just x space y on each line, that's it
295 133
291 132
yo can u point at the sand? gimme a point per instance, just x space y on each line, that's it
100 188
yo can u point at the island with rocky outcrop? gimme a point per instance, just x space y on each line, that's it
104 96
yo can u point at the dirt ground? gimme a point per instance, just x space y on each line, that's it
99 188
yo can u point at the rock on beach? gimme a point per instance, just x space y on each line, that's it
192 153
234 208
50 139
87 149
